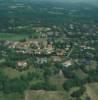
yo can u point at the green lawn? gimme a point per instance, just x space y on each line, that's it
15 37
7 36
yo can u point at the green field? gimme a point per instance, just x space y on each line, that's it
11 96
46 95
36 95
15 37
13 73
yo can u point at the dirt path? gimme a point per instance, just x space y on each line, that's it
26 95
70 52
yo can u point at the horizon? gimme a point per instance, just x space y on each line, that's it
91 2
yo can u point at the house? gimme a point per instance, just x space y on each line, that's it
60 52
67 63
22 65
50 33
42 60
56 59
49 48
13 44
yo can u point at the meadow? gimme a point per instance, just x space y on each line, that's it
16 37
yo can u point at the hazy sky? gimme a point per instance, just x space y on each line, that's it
94 1
80 0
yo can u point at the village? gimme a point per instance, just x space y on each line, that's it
54 46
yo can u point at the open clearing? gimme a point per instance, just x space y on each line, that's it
46 95
13 73
35 95
12 96
92 91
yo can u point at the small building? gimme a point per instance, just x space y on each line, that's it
56 59
42 60
67 63
49 49
60 52
22 65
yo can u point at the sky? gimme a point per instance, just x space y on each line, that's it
89 1
93 2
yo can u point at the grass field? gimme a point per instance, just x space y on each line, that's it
13 73
92 90
15 37
46 95
7 36
58 80
12 96
36 95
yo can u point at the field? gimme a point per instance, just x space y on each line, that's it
13 73
58 80
12 96
60 94
36 95
15 37
46 95
92 90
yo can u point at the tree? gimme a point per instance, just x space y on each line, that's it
43 86
79 92
75 82
15 85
